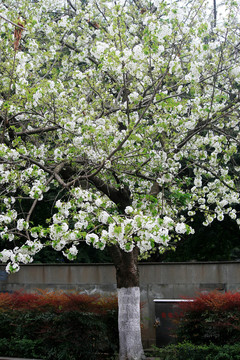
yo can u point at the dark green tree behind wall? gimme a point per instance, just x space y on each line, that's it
217 242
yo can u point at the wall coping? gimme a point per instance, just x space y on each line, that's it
140 263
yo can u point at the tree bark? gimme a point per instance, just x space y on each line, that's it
129 326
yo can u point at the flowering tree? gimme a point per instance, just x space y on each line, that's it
129 112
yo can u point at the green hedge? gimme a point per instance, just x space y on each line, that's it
188 351
34 327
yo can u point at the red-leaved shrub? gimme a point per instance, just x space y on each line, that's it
45 300
210 318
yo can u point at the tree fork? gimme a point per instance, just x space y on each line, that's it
127 272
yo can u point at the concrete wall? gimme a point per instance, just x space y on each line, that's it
157 280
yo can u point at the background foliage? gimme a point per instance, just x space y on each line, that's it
217 242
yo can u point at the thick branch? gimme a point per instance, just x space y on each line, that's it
56 172
121 197
37 130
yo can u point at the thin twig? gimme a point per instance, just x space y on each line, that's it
71 5
11 22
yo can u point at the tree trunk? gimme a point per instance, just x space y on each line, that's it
130 343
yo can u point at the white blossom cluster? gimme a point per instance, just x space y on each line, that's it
109 228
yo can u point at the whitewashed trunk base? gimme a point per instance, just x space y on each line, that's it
129 324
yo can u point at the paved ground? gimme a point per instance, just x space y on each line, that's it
11 358
8 358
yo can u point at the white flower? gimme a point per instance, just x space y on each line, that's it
167 220
73 250
92 239
233 214
223 203
81 224
163 232
5 255
12 268
57 218
22 224
108 164
24 258
160 181
64 227
78 75
58 155
220 217
58 204
36 193
236 71
128 210
37 96
101 47
104 236
11 237
180 228
59 245
138 52
63 22
111 230
198 182
133 96
98 202
34 234
164 31
32 47
103 217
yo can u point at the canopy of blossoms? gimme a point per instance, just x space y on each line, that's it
129 111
